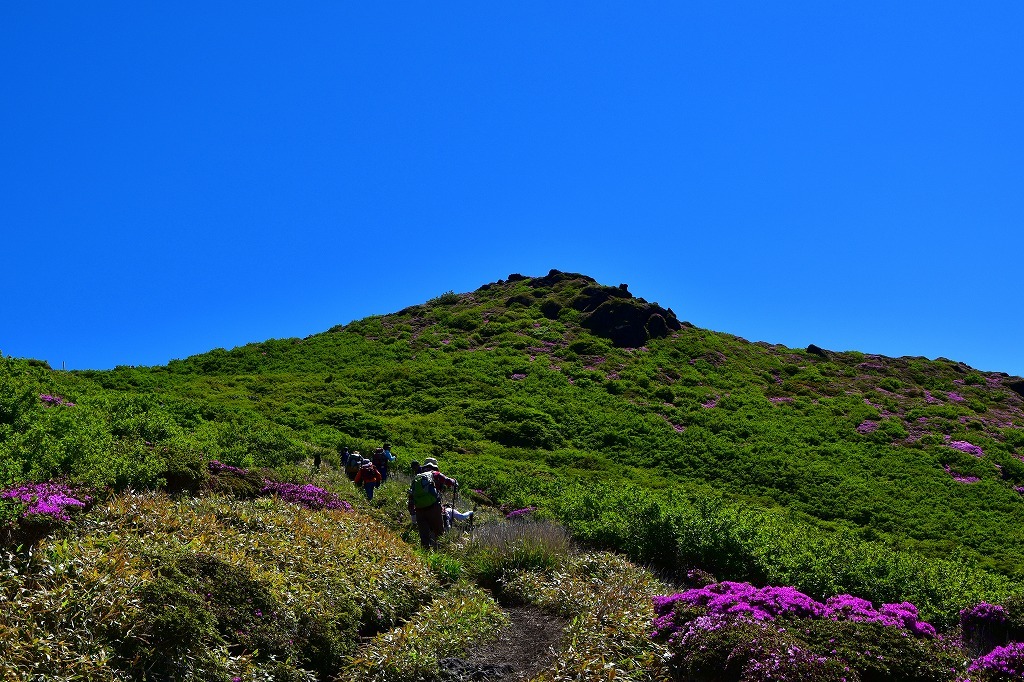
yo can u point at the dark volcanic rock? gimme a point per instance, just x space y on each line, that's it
555 276
817 350
1016 386
591 298
629 323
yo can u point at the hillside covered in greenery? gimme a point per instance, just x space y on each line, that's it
690 451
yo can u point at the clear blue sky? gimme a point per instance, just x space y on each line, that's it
177 177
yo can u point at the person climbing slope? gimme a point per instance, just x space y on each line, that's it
425 501
368 478
382 459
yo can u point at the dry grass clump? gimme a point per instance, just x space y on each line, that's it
460 617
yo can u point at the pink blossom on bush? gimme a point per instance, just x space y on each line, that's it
1002 663
964 446
867 426
308 495
725 600
47 499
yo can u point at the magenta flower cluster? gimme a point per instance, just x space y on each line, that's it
709 404
55 400
724 601
955 397
517 376
47 499
781 399
309 496
867 426
964 446
217 467
1002 663
520 513
981 618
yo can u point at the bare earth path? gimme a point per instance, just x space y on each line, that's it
523 649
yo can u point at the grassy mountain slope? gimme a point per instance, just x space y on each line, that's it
519 372
529 385
694 452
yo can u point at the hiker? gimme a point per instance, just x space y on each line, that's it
382 459
316 459
425 501
354 462
344 455
368 477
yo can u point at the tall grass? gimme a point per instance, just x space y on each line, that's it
498 550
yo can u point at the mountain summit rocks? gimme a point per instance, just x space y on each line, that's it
610 312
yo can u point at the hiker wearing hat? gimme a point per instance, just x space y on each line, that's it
368 478
425 501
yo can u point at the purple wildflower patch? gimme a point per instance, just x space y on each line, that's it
1005 661
49 400
729 600
780 399
964 446
309 496
517 377
982 618
217 467
867 426
955 397
47 499
520 513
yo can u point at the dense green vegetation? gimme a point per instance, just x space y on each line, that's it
890 478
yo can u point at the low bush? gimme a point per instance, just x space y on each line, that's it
734 632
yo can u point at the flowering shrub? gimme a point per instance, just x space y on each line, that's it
774 633
984 625
309 496
867 426
217 467
55 400
53 500
964 446
1002 663
520 513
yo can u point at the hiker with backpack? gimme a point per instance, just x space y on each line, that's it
368 478
352 465
425 501
382 459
